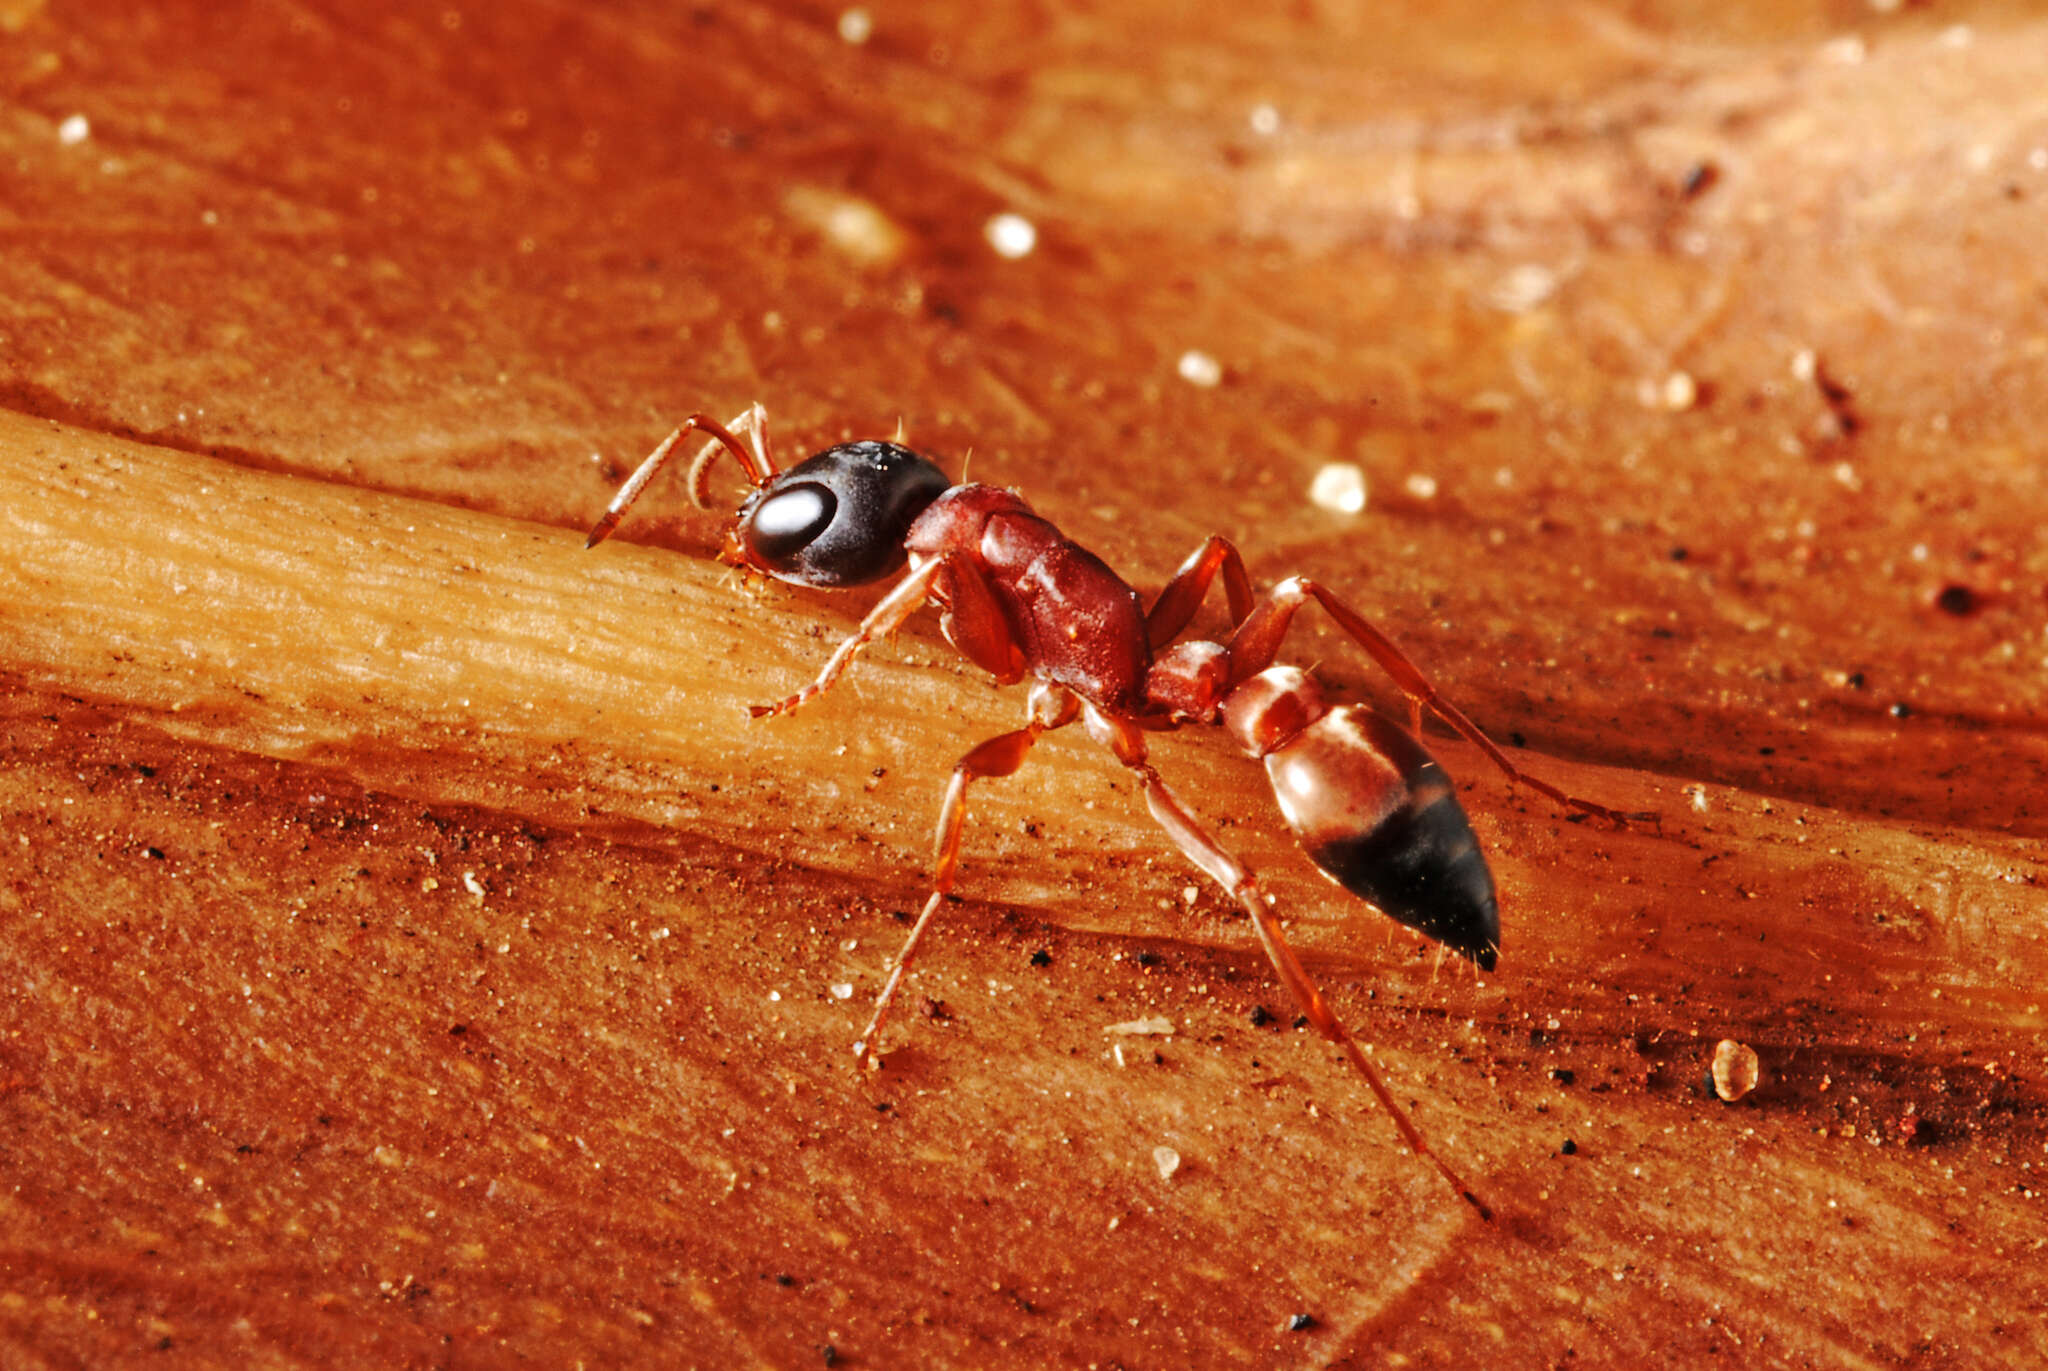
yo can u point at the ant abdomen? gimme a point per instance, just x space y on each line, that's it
1372 808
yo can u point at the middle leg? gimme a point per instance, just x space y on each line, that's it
1051 707
1183 595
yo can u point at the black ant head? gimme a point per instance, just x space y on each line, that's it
836 519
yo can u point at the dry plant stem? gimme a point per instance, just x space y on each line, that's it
307 621
313 623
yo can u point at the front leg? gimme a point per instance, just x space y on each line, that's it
885 618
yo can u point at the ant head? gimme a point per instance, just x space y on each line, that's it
836 519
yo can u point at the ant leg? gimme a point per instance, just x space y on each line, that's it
759 469
1183 594
1257 641
885 618
1051 708
1242 886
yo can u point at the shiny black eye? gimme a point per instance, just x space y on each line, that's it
839 518
789 521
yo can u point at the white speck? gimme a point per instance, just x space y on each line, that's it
1339 486
1167 1160
1847 52
1265 120
1698 795
843 991
74 131
1679 392
1156 1027
472 884
1505 478
856 226
1958 36
775 997
1805 365
1523 288
2038 159
1918 552
1979 157
660 934
856 26
1198 368
1011 235
1420 486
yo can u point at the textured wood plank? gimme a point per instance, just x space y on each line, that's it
411 958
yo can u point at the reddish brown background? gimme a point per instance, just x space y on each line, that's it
410 958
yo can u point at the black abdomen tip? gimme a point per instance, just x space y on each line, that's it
1423 867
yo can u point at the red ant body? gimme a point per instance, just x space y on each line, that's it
1018 598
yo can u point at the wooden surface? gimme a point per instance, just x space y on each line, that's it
413 958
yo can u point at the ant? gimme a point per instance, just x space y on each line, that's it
1018 598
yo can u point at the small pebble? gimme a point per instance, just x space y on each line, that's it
1735 1071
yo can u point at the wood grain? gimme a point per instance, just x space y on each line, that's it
413 957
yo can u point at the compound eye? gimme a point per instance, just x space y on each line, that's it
787 522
